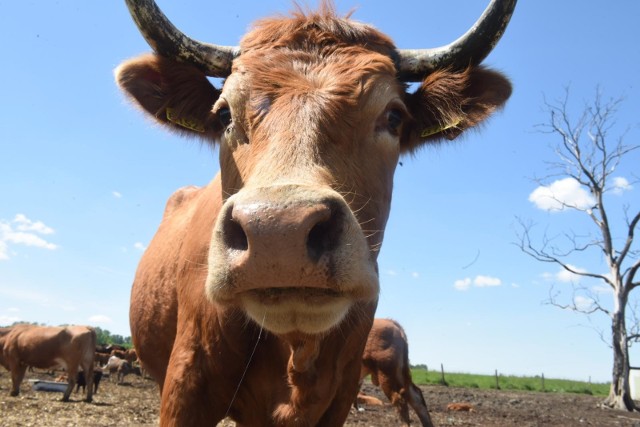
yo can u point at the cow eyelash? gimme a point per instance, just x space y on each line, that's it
224 116
395 118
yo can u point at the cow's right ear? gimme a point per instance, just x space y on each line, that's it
176 95
449 103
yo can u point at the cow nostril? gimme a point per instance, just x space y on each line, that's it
323 237
234 236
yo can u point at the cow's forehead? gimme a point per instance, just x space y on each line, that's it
334 103
314 32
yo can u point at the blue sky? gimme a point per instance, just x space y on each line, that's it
84 177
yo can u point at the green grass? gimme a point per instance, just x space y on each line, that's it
509 382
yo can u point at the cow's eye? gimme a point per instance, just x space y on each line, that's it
224 116
395 118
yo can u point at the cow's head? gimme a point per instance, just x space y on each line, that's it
312 118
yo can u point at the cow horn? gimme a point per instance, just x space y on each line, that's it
470 49
167 40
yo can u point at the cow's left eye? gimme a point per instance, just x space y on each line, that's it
224 115
395 118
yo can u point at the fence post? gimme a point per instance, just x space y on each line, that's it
497 381
442 380
543 382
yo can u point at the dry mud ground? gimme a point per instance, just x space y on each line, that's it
135 403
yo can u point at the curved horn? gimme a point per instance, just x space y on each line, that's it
470 49
167 40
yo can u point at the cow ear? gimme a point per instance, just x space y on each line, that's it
448 103
176 95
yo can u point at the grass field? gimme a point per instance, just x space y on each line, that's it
509 382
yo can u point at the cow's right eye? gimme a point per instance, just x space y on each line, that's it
224 115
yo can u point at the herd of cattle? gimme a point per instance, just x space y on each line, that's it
385 359
256 297
71 349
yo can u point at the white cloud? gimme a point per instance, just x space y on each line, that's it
139 246
28 239
566 276
621 185
117 194
4 250
25 224
583 303
23 231
560 194
462 284
415 275
479 281
100 318
547 277
486 281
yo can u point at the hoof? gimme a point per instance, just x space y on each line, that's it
14 393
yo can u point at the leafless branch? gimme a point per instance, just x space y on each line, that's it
586 152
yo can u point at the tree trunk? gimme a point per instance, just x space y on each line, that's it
620 393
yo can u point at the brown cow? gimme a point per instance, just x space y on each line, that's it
45 347
255 297
386 359
101 358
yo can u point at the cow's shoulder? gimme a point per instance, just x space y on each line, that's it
179 198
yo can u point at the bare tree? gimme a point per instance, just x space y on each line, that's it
588 154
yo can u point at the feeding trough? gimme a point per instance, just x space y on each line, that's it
41 385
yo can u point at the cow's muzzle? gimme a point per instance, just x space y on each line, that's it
293 257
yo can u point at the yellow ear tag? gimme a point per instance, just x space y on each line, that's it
432 130
184 122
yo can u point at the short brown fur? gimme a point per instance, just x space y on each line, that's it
311 124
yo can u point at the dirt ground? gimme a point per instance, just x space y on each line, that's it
135 403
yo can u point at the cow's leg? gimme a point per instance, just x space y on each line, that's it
72 373
356 404
338 411
393 390
184 390
17 375
364 371
87 367
97 376
417 402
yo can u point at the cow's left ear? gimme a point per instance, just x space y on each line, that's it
448 103
178 96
